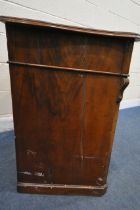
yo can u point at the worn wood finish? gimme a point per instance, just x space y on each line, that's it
61 189
66 84
69 49
8 19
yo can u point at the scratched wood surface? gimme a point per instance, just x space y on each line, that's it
62 131
65 118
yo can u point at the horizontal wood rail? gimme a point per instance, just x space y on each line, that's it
68 69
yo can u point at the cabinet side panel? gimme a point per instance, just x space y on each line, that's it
100 118
64 125
36 45
47 109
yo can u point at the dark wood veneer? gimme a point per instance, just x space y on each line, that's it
67 83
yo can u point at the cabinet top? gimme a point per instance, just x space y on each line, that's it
31 22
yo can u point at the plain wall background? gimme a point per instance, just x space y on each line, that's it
101 14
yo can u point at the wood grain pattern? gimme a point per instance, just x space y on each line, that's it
66 85
60 128
70 49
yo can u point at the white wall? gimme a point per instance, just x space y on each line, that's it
103 14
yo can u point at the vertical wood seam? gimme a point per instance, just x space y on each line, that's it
82 118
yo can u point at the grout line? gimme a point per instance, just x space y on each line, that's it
135 72
43 12
134 2
133 86
5 63
92 2
2 34
125 18
9 115
114 13
9 90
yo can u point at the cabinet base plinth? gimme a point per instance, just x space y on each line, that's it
58 189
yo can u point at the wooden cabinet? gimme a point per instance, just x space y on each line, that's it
67 83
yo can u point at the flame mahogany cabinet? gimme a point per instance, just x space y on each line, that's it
67 83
